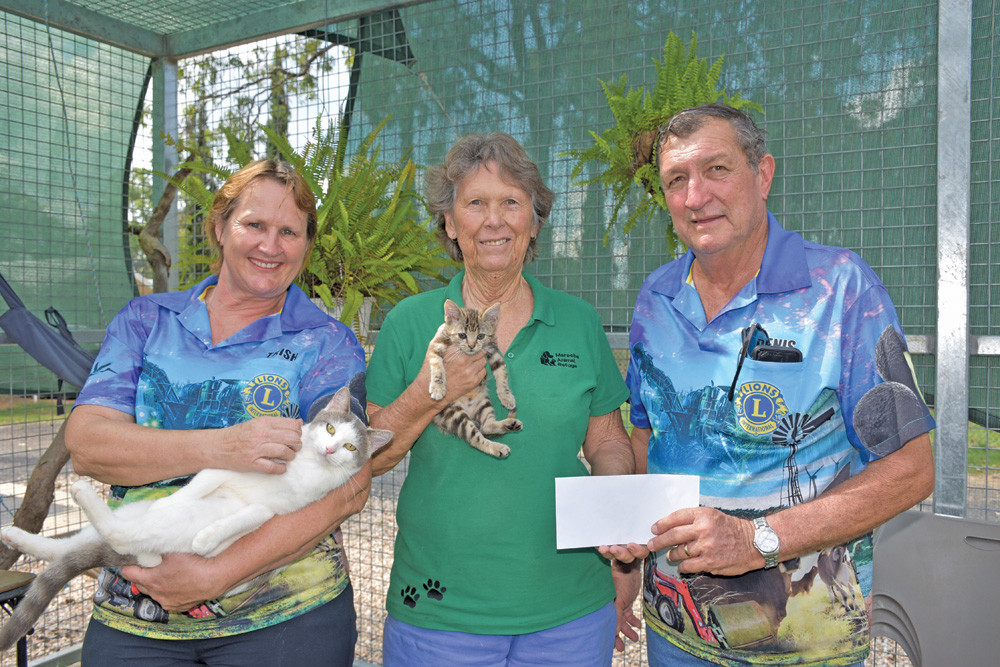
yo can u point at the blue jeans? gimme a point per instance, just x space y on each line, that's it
662 653
588 641
323 636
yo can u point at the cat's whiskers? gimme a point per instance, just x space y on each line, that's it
350 488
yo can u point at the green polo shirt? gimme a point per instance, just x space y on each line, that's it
476 547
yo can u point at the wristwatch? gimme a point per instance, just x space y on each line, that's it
766 541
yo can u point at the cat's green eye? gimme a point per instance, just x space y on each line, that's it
480 336
462 336
330 429
349 447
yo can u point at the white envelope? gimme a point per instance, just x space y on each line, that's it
617 509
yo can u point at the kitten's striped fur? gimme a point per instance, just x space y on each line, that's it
471 417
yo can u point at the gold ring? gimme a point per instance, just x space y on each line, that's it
686 552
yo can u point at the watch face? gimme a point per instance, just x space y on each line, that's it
766 541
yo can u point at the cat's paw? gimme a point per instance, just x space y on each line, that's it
204 541
438 388
9 536
500 451
410 596
507 400
148 560
513 425
80 490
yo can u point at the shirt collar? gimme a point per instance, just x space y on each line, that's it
297 313
783 269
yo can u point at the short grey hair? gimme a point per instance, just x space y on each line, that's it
751 139
468 154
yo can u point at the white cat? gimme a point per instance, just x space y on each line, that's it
216 508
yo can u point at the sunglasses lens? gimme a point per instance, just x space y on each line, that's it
753 336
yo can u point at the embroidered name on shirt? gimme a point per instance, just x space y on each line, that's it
759 407
284 353
563 359
265 395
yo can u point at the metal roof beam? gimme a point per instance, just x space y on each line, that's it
293 17
93 25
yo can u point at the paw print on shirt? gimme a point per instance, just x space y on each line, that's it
434 589
410 596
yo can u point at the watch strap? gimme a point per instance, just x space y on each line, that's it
770 557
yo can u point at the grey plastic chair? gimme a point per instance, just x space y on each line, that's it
937 589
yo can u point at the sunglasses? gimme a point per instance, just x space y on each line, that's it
752 336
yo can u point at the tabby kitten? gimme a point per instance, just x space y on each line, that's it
206 516
471 417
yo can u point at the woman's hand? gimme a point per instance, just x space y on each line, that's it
628 582
180 582
109 446
261 444
624 553
183 581
414 409
462 372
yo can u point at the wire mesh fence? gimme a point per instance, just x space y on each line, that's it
849 97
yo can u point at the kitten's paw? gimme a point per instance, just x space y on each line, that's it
507 400
438 388
513 425
501 451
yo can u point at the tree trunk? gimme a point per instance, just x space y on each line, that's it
39 493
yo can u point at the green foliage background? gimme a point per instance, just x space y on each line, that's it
626 151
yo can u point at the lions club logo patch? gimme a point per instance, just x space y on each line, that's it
759 407
265 395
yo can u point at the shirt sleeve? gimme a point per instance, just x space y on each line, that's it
115 373
633 380
387 369
883 408
341 362
610 392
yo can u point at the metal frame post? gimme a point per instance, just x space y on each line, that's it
954 170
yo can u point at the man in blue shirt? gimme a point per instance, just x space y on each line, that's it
775 369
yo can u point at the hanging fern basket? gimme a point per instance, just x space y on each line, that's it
625 153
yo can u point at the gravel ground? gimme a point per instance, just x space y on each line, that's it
368 536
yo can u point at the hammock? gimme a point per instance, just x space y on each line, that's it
52 344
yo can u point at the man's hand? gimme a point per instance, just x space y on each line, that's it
703 539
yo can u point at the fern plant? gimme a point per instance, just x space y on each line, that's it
626 151
369 242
